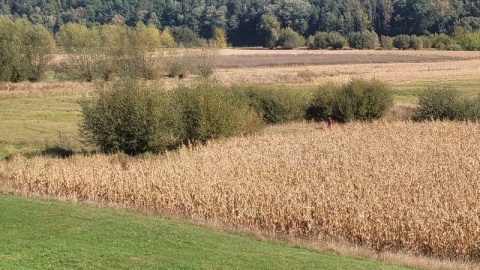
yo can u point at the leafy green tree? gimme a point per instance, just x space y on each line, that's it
39 46
10 54
81 48
25 50
269 30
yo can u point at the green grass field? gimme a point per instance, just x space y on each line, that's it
409 92
37 234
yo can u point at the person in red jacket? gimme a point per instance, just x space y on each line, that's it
330 123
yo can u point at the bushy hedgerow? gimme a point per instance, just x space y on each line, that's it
386 43
208 110
363 40
356 100
325 40
275 104
445 103
133 118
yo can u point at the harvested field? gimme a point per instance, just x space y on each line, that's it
313 67
264 58
420 194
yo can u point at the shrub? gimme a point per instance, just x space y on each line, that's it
310 42
320 41
426 42
440 41
220 38
128 117
208 110
468 40
324 40
363 40
178 64
274 104
445 103
321 105
289 39
416 43
386 42
361 100
336 40
184 37
401 42
437 103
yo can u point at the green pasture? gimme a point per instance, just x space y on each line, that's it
37 234
409 92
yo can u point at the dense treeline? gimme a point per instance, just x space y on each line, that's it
240 18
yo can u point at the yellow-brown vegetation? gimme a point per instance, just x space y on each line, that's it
387 186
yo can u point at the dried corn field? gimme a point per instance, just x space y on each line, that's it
386 186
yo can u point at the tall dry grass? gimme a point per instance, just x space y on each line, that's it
387 186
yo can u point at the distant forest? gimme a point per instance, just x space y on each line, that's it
240 18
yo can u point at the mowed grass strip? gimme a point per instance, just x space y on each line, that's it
39 234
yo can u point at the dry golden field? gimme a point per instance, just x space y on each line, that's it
313 67
388 186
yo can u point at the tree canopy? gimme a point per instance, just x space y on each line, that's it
240 18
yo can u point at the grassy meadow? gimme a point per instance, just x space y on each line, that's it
392 186
56 235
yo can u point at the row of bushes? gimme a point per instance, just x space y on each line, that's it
461 39
134 118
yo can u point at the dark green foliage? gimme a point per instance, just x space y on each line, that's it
322 103
268 30
184 37
363 40
324 40
240 19
128 117
356 100
290 39
401 42
445 103
209 110
275 104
